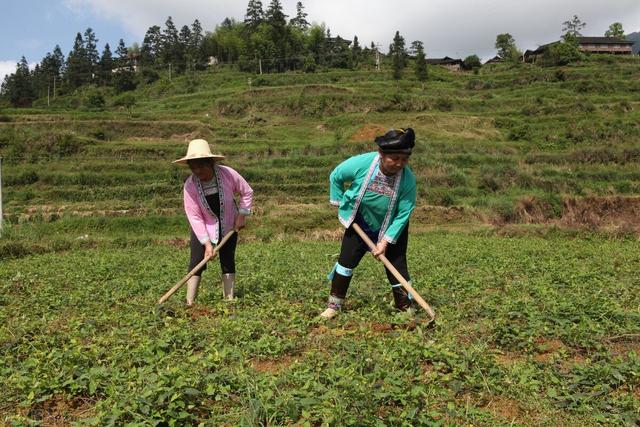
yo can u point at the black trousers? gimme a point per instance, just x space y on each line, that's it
354 248
227 254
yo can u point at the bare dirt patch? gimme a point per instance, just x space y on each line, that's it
368 133
177 242
623 345
504 407
59 410
272 366
198 311
598 212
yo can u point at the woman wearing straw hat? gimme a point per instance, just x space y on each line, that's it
380 199
212 212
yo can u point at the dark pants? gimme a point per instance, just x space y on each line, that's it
354 248
227 254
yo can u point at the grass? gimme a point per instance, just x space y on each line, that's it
528 333
524 240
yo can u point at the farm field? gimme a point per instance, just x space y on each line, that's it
524 240
531 331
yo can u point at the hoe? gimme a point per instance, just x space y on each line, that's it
196 268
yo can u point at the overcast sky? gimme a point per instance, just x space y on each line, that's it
455 28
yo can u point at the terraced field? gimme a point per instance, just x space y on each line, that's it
524 241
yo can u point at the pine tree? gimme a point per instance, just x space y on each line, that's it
356 51
421 62
106 65
76 73
254 15
300 21
275 16
184 61
122 53
170 43
398 55
18 87
92 57
195 45
151 46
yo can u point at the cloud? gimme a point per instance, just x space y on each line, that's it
6 68
447 28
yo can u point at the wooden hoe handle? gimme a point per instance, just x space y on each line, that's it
396 273
196 268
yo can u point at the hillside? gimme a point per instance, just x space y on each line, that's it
516 144
524 242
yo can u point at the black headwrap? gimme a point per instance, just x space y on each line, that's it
397 141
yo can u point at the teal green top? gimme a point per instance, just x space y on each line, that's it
387 207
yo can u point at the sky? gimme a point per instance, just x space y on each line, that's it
455 28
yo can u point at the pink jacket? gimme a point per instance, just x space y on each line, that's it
203 221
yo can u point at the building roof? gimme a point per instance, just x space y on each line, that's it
443 61
603 40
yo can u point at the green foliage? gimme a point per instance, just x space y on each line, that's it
472 62
522 321
93 100
563 53
507 49
615 30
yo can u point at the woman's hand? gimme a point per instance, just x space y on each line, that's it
240 222
380 249
208 250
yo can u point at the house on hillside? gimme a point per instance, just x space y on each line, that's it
604 45
495 60
449 63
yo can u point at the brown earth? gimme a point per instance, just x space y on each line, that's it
272 366
368 133
597 212
59 411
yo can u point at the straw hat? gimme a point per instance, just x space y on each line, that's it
199 149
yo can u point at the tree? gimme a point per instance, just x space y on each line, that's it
254 15
300 21
421 62
122 53
316 43
170 43
398 55
615 30
356 51
275 16
194 50
572 27
471 62
506 46
279 34
77 72
91 54
18 87
416 45
184 38
151 46
106 65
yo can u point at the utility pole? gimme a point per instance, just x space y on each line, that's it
54 87
260 64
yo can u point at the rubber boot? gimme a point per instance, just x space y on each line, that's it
401 298
333 307
192 289
228 283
